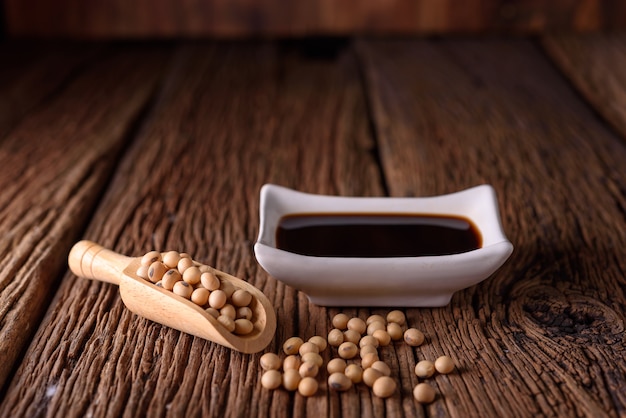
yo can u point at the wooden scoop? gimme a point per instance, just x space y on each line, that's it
92 261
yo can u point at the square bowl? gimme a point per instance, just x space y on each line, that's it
422 281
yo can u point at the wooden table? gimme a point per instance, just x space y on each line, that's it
143 146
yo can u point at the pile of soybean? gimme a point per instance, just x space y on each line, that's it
201 285
356 343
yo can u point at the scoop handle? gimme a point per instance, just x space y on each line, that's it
92 261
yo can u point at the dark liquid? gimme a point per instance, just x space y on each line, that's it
376 235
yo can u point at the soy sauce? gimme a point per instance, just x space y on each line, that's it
376 235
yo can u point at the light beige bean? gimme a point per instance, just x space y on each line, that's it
210 281
368 349
357 324
308 386
383 337
182 289
368 340
308 347
291 379
292 362
170 278
348 350
354 373
171 259
396 316
351 335
375 318
270 361
227 322
142 272
244 313
292 345
217 299
308 369
370 376
227 287
243 326
395 331
382 367
271 379
183 264
335 337
368 360
241 297
191 275
413 337
424 393
424 369
384 387
340 321
336 365
213 312
319 341
444 365
374 326
156 271
339 382
313 357
150 257
200 296
229 310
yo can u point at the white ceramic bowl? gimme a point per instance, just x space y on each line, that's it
390 282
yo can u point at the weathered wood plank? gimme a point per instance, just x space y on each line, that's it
594 64
56 161
545 335
222 128
175 18
31 71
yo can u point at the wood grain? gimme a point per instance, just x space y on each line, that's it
544 335
593 63
242 18
56 161
220 130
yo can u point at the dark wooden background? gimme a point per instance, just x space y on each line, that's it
164 143
228 18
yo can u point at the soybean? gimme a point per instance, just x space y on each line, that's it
200 296
413 337
383 337
424 393
395 331
424 369
185 263
308 386
336 365
292 345
370 376
308 347
357 324
340 321
292 362
368 360
270 361
210 281
308 369
171 259
271 379
217 299
339 382
243 326
156 271
319 341
241 297
191 274
335 337
291 379
384 387
396 316
150 257
170 278
244 312
444 365
351 335
382 367
374 326
375 318
313 357
354 372
368 340
182 289
348 350
227 322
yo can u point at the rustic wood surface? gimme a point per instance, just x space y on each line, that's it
227 18
161 147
